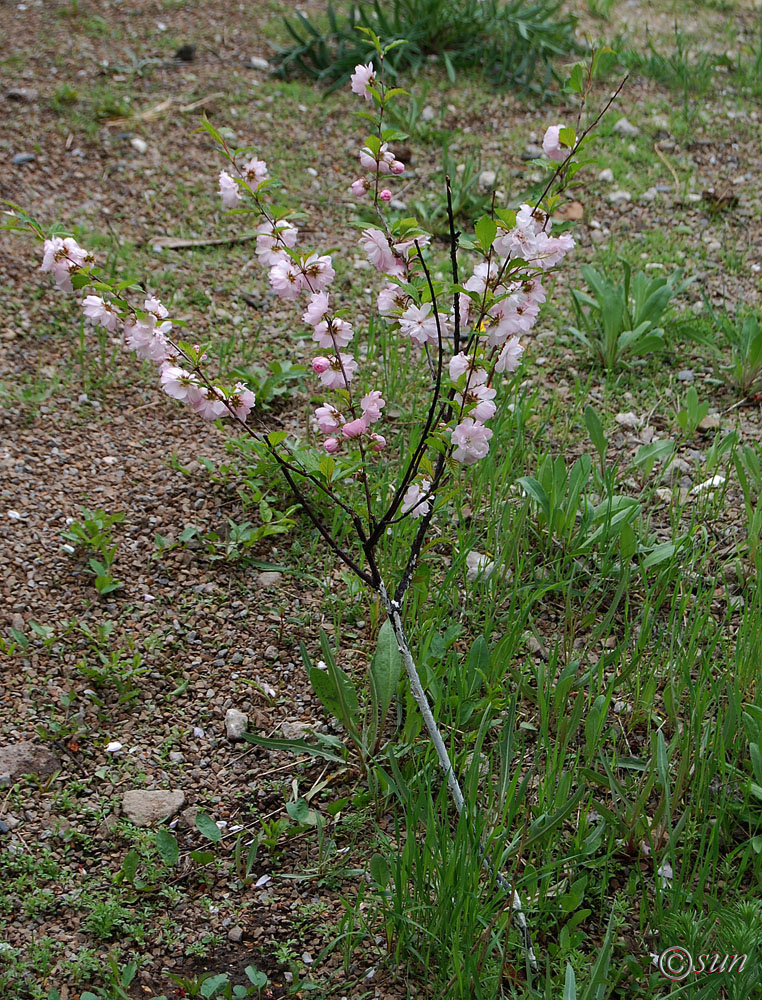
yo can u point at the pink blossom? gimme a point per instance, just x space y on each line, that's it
478 400
533 289
412 500
359 187
380 254
419 323
329 419
62 257
534 220
551 250
397 167
179 384
368 160
210 403
478 280
255 171
320 365
331 445
316 310
391 299
229 190
286 279
405 247
471 440
372 404
153 305
333 333
100 311
355 428
340 373
242 401
385 195
379 442
551 144
149 340
510 356
318 272
363 78
271 240
460 364
520 242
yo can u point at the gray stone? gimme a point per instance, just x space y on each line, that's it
175 757
21 158
258 63
17 622
235 724
487 180
235 934
618 196
146 807
606 175
629 420
27 758
428 114
271 578
686 375
271 653
188 817
625 127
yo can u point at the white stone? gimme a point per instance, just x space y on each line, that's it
487 179
625 127
428 114
235 724
146 807
619 196
138 144
606 175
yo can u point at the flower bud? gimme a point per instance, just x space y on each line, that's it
385 195
331 445
320 365
397 167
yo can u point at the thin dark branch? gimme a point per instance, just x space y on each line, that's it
454 265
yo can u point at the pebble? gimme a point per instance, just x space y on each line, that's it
176 757
257 62
235 934
487 180
144 807
17 622
271 653
235 724
5 780
606 175
138 144
21 158
478 565
629 420
625 127
428 114
21 94
686 375
619 196
649 195
270 578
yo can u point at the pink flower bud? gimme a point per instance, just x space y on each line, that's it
331 445
359 187
320 365
379 442
355 428
385 195
397 167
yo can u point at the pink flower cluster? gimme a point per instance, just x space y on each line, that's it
146 332
376 157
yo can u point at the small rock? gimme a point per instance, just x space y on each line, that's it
598 235
535 646
707 486
258 63
532 152
271 653
606 175
478 565
17 622
188 817
629 420
294 730
138 144
270 578
428 114
5 780
21 158
487 180
27 758
711 422
625 127
649 195
618 196
21 94
175 757
186 53
146 807
4 828
678 467
686 375
235 934
235 724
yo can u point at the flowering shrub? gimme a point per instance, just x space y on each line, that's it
468 347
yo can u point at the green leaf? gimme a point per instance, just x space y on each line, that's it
595 430
337 694
202 857
575 83
300 747
659 554
385 669
166 845
255 977
379 871
129 868
301 813
206 826
212 985
486 231
276 437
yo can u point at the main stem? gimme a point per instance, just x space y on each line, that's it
393 610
